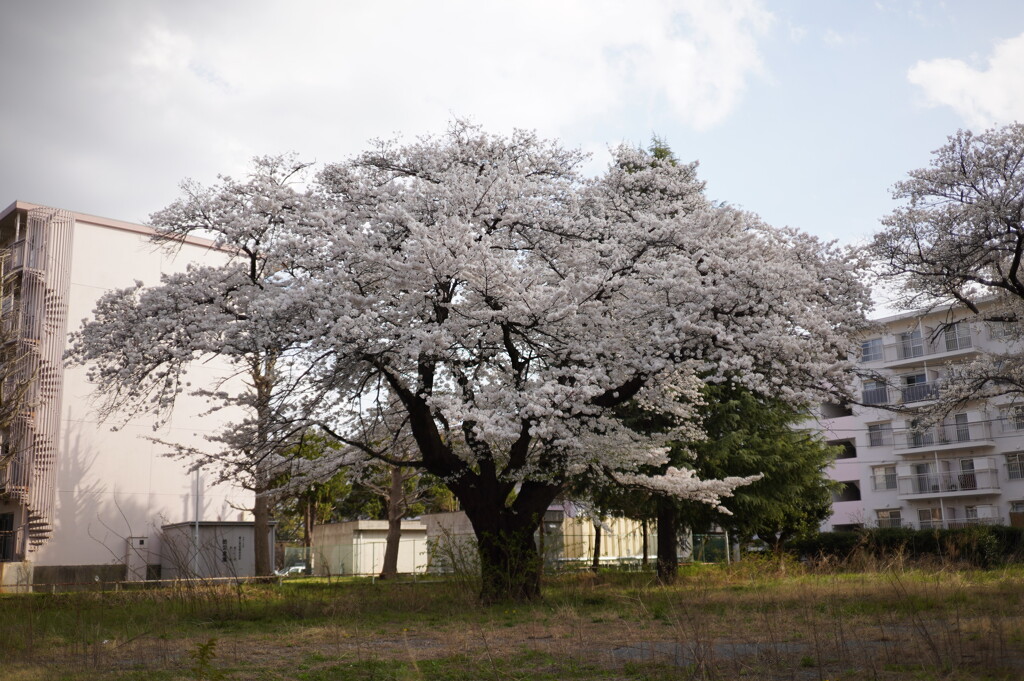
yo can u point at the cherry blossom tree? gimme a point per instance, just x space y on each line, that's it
479 293
509 305
958 240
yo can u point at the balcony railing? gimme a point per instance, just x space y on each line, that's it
912 349
885 482
943 435
875 396
957 523
948 482
1015 470
919 392
880 437
890 522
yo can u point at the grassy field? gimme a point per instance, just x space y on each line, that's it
753 621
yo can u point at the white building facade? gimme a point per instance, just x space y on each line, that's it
79 500
966 470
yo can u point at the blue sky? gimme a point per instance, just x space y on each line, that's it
804 112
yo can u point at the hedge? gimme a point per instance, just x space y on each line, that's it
981 545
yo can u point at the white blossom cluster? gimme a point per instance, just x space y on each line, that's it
501 304
684 484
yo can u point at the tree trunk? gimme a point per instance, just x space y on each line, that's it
263 377
541 548
261 533
307 531
510 564
396 509
595 563
645 534
668 540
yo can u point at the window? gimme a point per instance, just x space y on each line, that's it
930 518
1015 466
962 428
914 379
871 350
916 387
918 436
925 478
884 477
6 536
889 517
879 434
967 478
957 336
1000 330
1013 418
1017 507
909 344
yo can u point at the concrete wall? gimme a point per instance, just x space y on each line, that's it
225 550
357 547
16 577
117 485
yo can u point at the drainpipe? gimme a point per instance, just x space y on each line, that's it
195 556
942 505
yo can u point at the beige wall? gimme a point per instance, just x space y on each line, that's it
115 485
357 547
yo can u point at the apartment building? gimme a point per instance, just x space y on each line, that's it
966 470
78 500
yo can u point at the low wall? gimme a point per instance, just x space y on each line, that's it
16 577
77 577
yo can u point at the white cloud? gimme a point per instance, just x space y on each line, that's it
982 97
143 94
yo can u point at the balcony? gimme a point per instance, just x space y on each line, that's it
24 256
949 483
919 392
890 522
875 396
917 351
945 436
958 523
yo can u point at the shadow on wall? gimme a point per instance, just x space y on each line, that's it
93 523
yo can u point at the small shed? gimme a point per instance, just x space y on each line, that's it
356 547
208 549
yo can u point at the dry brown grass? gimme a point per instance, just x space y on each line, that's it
753 621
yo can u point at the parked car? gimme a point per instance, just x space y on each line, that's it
297 569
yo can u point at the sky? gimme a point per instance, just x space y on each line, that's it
805 112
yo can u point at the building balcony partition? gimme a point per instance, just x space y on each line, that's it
944 436
946 483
